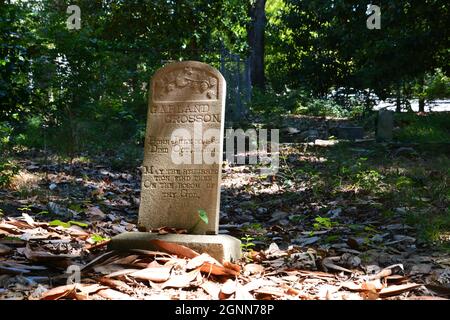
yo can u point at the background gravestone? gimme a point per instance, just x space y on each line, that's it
187 96
385 125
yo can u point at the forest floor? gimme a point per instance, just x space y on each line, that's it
339 221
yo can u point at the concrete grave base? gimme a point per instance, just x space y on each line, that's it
221 247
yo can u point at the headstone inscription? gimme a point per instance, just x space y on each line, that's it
183 149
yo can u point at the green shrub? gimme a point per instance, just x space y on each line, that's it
127 156
272 106
433 127
7 168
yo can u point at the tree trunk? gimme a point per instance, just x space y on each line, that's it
257 14
399 101
421 104
421 97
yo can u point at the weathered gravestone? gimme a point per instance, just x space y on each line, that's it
182 168
183 149
385 125
350 132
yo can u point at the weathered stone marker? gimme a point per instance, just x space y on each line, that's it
350 132
182 165
182 158
385 125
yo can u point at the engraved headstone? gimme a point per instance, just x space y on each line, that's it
181 172
385 125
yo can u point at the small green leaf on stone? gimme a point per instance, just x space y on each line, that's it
203 215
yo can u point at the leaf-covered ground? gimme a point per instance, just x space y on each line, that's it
339 221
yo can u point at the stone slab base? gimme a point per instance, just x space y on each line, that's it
221 247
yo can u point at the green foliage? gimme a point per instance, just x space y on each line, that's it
96 238
127 156
404 182
61 87
437 86
8 169
59 223
256 230
368 179
430 128
272 106
332 238
327 44
80 224
15 39
296 218
432 228
323 223
203 216
325 108
247 243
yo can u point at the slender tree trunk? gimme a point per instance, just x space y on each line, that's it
421 104
421 97
256 29
399 101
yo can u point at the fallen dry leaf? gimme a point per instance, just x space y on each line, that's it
174 248
155 274
116 284
258 283
44 256
211 288
19 224
28 219
88 289
395 290
200 260
386 272
217 270
121 273
4 250
97 245
272 291
426 298
181 280
95 214
231 266
60 292
253 268
108 268
113 294
242 293
326 291
227 289
328 263
10 229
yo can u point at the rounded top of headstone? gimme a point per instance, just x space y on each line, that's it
187 80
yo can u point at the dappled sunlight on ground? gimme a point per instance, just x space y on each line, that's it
332 217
